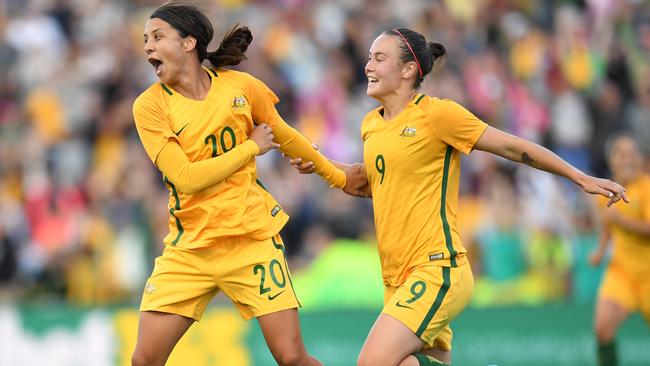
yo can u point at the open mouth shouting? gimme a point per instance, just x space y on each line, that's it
157 65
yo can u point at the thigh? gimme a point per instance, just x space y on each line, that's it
259 282
179 284
389 342
429 299
158 333
617 287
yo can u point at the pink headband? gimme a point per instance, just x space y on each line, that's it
413 53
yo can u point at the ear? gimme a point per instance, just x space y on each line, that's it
409 70
189 43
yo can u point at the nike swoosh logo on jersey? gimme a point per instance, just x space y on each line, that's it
276 295
402 306
181 130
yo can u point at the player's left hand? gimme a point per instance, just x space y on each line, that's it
300 166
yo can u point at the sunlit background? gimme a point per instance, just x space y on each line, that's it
83 211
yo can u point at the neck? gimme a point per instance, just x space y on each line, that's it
395 103
193 82
624 180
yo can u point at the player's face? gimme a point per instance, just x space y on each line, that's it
624 159
164 48
383 68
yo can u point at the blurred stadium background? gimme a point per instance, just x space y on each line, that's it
83 211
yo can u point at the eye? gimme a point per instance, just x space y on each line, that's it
157 37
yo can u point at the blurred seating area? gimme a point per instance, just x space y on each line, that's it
83 211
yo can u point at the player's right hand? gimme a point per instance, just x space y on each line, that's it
263 137
612 190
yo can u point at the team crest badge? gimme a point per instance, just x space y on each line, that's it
408 132
239 102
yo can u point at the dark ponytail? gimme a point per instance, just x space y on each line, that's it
439 53
414 47
232 49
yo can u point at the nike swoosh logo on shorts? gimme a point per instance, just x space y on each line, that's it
402 306
272 297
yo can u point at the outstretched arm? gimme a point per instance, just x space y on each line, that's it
523 151
350 178
291 142
357 179
596 257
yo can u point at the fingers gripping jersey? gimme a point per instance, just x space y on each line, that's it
413 167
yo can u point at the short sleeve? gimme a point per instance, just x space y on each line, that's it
456 126
152 125
262 100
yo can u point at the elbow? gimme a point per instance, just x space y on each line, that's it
185 186
516 150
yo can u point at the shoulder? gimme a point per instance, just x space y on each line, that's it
370 117
237 77
155 95
368 121
244 81
438 106
447 112
644 180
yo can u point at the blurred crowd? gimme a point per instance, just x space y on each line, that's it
83 211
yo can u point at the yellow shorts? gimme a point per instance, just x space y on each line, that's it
629 291
253 274
429 299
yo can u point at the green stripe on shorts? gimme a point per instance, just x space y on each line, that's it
446 283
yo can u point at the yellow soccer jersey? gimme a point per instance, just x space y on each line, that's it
413 167
631 251
236 206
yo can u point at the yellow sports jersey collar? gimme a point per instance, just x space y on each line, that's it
380 111
211 73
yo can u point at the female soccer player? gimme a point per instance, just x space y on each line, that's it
198 127
626 285
412 145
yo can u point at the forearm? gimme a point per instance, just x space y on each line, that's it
603 240
293 144
539 157
638 227
191 177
